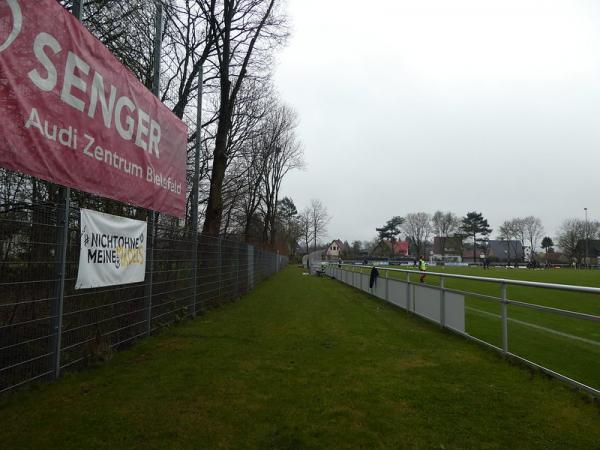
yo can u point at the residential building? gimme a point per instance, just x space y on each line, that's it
335 250
593 250
388 249
448 248
505 250
401 248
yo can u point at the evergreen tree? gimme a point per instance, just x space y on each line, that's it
547 244
474 224
391 229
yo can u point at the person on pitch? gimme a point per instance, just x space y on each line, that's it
422 268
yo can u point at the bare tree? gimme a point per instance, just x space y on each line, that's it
288 225
444 224
240 26
246 158
126 28
418 228
319 219
571 232
284 153
525 229
520 229
305 224
509 231
189 43
262 150
254 165
534 230
355 249
572 236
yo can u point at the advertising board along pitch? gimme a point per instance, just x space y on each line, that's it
72 114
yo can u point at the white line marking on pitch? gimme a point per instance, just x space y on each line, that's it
539 327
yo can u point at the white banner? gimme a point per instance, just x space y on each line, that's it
113 250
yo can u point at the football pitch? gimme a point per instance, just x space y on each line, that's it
567 345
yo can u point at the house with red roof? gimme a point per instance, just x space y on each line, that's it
388 249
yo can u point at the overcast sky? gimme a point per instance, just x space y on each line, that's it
458 105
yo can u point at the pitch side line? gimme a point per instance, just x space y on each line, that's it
538 327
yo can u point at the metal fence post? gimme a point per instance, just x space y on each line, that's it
387 285
151 214
504 304
194 269
237 270
408 292
442 303
361 278
250 267
62 238
219 264
149 272
195 183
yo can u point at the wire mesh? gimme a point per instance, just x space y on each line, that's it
96 322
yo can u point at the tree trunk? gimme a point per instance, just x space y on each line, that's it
266 222
214 208
272 223
247 229
228 96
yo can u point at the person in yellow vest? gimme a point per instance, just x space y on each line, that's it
422 268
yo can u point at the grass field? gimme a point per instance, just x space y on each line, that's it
567 345
302 362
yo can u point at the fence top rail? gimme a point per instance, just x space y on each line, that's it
535 284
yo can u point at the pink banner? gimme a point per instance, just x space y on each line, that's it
72 114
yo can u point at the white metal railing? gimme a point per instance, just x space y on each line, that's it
504 302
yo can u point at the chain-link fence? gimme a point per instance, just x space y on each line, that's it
95 322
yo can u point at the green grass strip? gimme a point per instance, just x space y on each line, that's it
302 362
574 347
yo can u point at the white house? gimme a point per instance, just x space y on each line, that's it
335 249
